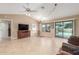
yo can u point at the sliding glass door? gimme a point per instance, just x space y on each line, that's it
64 29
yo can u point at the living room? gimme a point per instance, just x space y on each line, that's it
37 28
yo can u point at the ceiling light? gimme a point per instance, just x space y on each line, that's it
44 18
27 14
41 18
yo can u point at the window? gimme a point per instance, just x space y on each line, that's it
64 29
46 27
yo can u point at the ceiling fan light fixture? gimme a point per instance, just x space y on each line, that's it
28 14
44 18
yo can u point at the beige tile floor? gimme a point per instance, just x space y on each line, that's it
31 46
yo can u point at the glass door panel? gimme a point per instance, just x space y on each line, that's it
59 29
48 28
68 29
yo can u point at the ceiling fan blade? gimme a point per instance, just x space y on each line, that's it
33 11
24 7
27 5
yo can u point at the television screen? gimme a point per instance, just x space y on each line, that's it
23 27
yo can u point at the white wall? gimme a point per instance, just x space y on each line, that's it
3 30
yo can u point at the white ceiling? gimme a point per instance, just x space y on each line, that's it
62 9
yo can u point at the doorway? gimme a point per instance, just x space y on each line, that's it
5 30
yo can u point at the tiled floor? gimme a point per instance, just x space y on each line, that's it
32 45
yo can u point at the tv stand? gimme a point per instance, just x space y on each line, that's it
23 34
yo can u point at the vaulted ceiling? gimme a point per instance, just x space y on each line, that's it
43 10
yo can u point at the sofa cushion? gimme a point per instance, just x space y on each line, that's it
69 48
76 52
74 40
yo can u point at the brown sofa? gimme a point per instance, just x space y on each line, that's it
72 47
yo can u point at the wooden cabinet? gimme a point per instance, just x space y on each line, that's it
23 34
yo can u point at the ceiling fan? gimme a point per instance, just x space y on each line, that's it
28 9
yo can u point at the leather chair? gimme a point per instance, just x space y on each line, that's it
72 47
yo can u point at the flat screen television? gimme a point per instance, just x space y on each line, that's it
23 27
